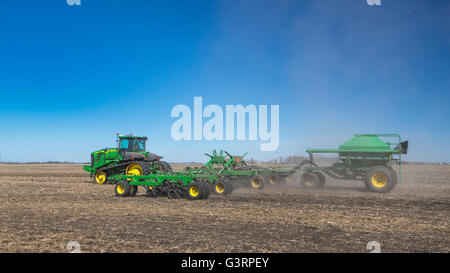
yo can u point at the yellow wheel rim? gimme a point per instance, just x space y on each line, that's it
255 183
120 189
220 188
194 191
134 169
379 180
272 180
289 179
100 177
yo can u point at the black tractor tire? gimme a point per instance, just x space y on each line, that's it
122 188
380 179
144 166
164 167
311 180
133 191
256 182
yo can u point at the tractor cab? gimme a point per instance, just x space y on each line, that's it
133 148
131 144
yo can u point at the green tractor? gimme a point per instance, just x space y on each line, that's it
128 158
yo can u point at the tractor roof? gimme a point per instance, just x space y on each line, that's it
132 137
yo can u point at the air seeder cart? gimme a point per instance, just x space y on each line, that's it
364 157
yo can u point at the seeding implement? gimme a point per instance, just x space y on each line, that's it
171 185
219 175
364 157
239 173
129 157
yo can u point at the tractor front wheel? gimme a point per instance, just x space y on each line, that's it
380 179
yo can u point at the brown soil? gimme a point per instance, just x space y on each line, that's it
44 207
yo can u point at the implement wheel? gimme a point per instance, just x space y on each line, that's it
206 190
122 188
380 179
172 194
150 193
394 175
133 190
292 178
311 180
100 177
322 179
274 179
256 182
195 191
222 188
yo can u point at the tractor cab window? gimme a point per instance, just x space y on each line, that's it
132 145
139 145
124 144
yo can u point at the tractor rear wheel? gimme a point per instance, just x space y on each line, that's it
138 168
380 179
311 180
122 188
100 177
256 182
164 167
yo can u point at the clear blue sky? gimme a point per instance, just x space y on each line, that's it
72 76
